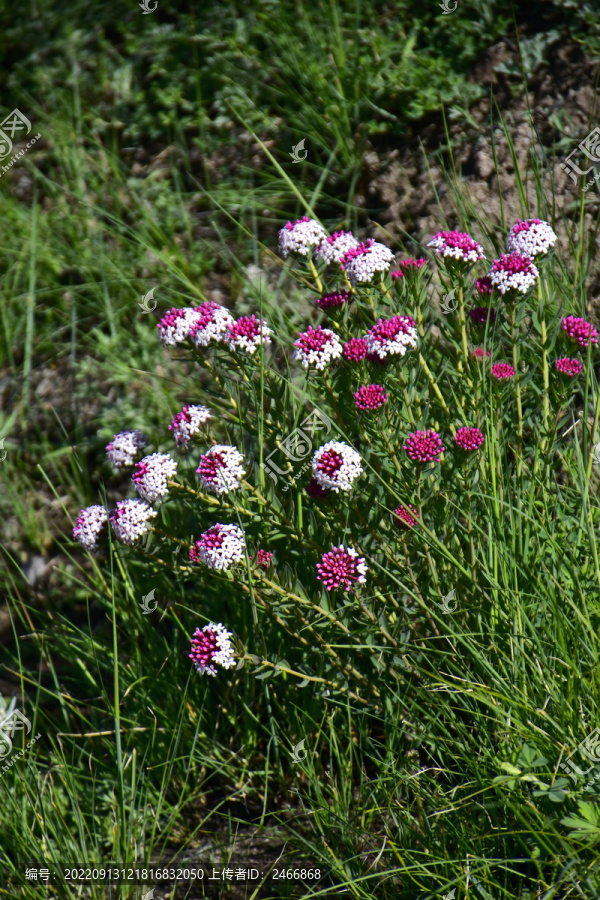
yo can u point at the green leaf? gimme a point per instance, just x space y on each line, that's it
508 767
587 825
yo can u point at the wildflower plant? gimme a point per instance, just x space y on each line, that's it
368 464
332 474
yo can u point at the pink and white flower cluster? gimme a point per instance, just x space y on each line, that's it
456 246
125 448
301 238
175 327
248 333
188 423
341 568
220 548
336 466
220 469
317 347
368 259
532 237
90 526
211 324
392 337
212 646
151 474
513 273
333 248
130 520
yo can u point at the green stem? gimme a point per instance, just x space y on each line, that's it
546 372
433 384
469 522
463 324
315 275
515 359
594 432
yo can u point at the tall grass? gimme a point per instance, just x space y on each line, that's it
430 743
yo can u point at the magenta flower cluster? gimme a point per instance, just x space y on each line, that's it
264 559
579 331
403 519
356 349
484 285
370 396
334 300
502 371
480 314
315 490
469 439
570 367
407 268
424 446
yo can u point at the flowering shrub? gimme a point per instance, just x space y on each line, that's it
376 443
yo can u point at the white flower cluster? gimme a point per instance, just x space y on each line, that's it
224 552
317 352
336 466
188 423
531 238
361 565
125 447
212 324
130 520
220 469
335 246
151 475
89 525
392 338
302 237
362 268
